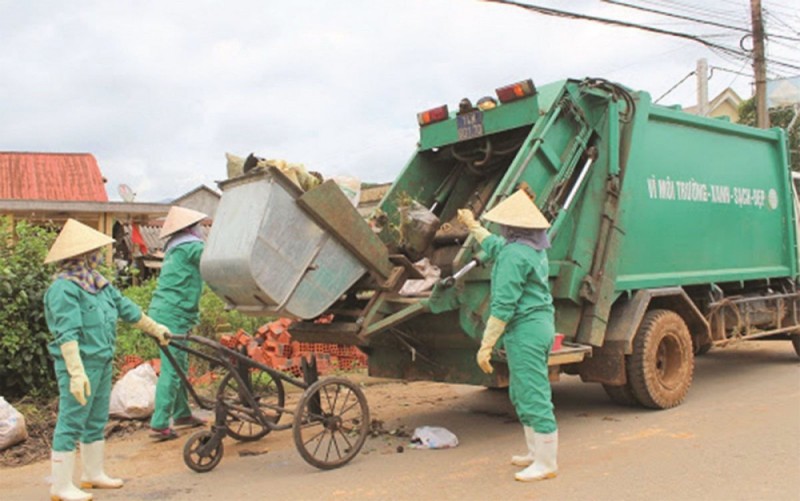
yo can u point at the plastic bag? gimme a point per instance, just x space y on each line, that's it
418 227
351 186
433 437
12 425
234 165
417 286
134 396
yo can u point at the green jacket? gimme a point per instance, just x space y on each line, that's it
176 301
519 283
72 314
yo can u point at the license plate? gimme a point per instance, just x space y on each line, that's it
470 125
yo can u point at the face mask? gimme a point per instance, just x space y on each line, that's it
95 259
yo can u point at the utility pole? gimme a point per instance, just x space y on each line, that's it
702 87
759 65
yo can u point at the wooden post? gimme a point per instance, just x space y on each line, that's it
106 226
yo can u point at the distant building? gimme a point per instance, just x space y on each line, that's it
49 188
43 187
726 104
51 176
202 199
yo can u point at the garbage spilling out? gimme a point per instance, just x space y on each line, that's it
433 437
12 425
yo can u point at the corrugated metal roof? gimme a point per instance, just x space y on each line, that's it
150 232
51 176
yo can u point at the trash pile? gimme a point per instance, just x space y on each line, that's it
272 345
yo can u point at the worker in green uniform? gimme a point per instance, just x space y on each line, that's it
81 310
522 311
175 303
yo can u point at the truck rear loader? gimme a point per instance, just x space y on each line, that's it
671 234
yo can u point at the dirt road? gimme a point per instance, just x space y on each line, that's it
736 437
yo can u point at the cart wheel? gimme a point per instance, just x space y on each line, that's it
241 416
197 459
331 423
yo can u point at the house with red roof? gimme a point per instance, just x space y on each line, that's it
51 176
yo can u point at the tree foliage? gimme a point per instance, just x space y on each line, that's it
213 317
780 117
25 365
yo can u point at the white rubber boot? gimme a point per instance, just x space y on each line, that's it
93 476
62 464
528 458
545 465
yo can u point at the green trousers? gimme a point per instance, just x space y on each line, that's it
528 344
76 422
171 396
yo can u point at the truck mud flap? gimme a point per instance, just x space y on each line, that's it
606 365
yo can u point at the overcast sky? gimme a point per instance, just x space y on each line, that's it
158 91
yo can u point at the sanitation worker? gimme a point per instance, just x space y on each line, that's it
81 310
522 311
175 303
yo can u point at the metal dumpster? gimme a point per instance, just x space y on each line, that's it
267 255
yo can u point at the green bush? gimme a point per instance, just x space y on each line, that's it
132 341
213 317
25 365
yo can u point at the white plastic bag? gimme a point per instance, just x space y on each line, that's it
431 274
433 437
12 425
134 396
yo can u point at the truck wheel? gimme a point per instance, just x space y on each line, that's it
796 343
622 395
661 366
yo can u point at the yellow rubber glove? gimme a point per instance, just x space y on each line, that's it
153 328
79 384
494 329
466 218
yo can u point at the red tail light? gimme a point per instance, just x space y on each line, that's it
516 91
433 115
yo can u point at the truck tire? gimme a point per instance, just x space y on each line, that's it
662 363
622 395
796 343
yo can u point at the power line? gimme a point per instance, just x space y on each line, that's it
674 86
696 10
614 22
783 9
677 16
777 18
692 19
726 70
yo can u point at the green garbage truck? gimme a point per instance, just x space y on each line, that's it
671 234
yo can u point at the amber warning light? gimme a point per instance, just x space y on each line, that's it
516 91
433 115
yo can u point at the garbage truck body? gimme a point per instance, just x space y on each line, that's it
671 234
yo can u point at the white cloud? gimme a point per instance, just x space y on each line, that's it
159 91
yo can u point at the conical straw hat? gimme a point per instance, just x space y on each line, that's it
179 218
517 210
75 239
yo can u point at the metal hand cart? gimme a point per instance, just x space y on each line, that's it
330 423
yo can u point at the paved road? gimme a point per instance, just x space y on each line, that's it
736 437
